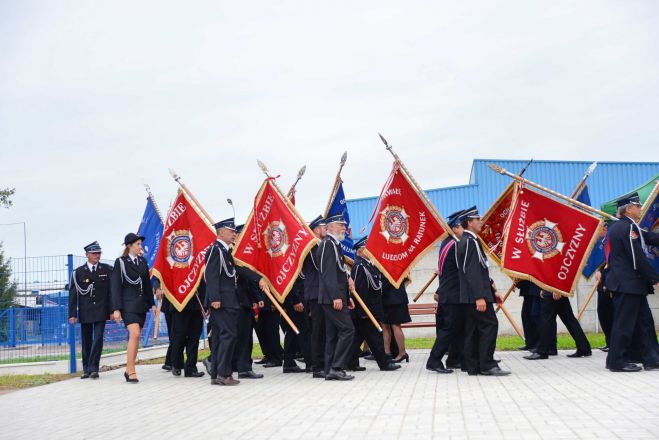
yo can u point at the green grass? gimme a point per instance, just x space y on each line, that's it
59 357
21 381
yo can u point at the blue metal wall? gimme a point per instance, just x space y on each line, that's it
609 180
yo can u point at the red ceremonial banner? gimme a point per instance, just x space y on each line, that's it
405 229
548 242
180 261
275 241
494 223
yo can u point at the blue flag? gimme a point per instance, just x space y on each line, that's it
151 229
597 255
583 196
650 222
338 206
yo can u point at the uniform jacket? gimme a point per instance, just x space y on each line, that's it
310 275
392 296
127 296
449 279
333 276
629 269
368 284
474 274
222 275
89 293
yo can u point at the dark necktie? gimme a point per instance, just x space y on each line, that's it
94 269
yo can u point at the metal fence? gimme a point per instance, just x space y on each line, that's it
34 326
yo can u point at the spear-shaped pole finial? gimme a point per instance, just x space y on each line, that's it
263 167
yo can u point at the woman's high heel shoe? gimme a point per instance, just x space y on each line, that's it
405 358
128 379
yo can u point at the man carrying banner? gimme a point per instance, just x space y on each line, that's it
334 297
368 284
248 297
315 310
477 292
630 278
221 288
450 334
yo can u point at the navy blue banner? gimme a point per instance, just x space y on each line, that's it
151 229
338 206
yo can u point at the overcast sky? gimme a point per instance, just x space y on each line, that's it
98 97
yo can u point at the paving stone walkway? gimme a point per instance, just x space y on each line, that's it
559 398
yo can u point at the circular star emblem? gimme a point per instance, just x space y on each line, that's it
394 224
544 239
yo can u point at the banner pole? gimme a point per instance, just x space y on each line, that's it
583 206
299 177
424 288
418 189
337 182
512 321
156 313
366 309
185 189
582 309
505 297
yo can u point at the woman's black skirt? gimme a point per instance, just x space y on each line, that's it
134 318
396 314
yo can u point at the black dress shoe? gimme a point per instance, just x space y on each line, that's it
194 374
272 364
651 367
629 368
94 374
524 348
495 371
319 375
167 367
553 353
453 366
365 353
84 376
249 375
605 349
176 371
294 369
440 370
405 358
357 368
308 370
369 357
390 367
207 365
580 354
536 356
338 375
498 361
262 361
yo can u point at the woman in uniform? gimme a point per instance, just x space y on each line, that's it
132 297
395 313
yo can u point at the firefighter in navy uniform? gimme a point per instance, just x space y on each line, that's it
294 308
89 304
630 278
450 332
222 295
368 284
477 293
186 331
314 310
249 297
334 296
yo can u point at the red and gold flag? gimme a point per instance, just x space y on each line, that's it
548 241
274 241
494 223
405 229
180 260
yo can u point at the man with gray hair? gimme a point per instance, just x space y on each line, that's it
629 279
334 296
